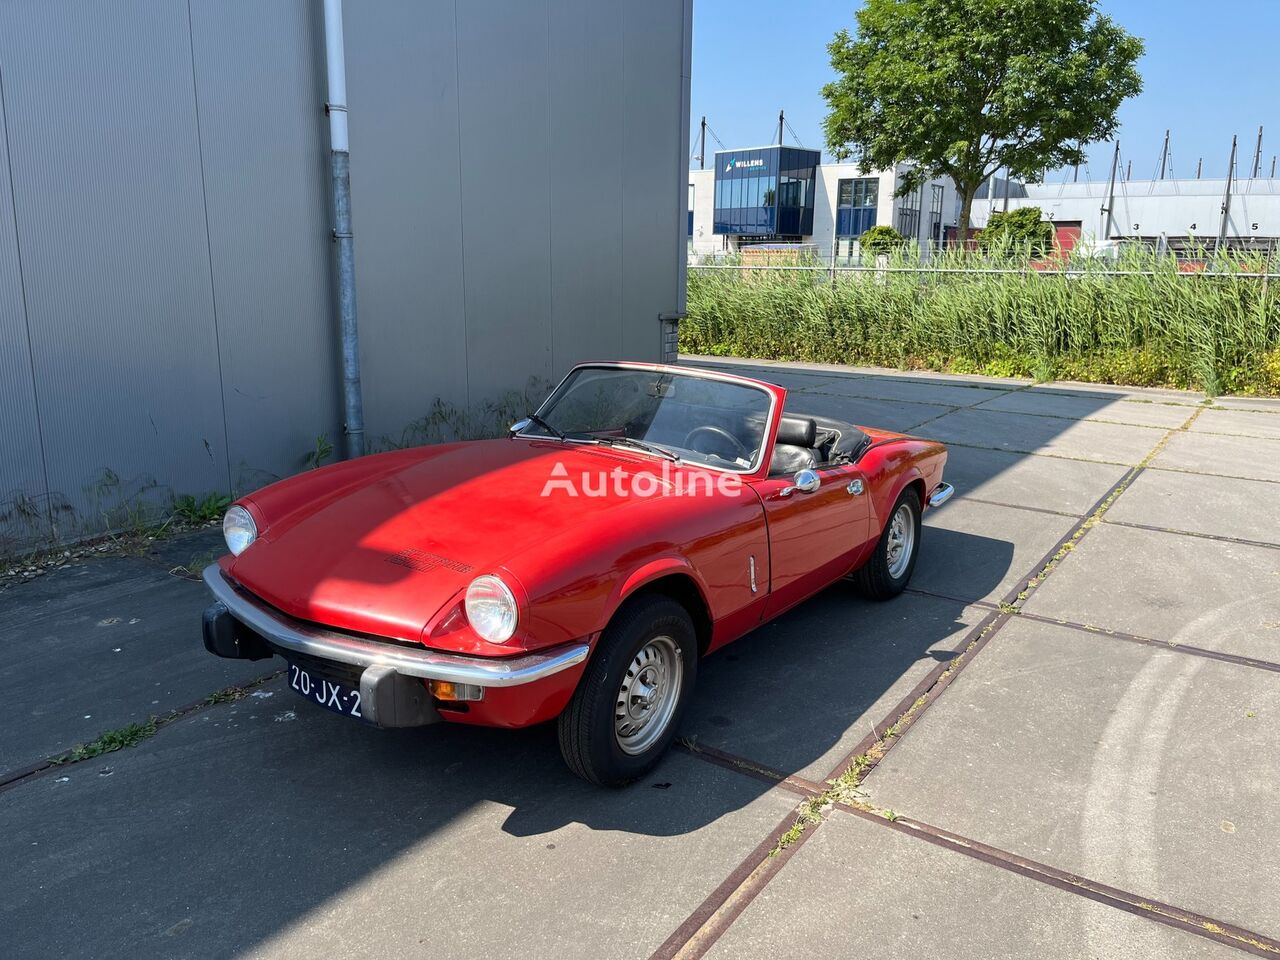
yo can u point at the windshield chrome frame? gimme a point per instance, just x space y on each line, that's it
765 440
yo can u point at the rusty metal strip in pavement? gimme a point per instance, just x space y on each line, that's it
1186 920
1191 533
717 912
798 785
699 932
15 778
1190 650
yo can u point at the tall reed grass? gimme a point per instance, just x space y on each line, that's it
1142 319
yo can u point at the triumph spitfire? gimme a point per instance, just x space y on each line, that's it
576 570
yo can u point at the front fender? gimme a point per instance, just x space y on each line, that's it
649 572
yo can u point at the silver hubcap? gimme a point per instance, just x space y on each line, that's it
648 696
902 540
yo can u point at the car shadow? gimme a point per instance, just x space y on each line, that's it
251 816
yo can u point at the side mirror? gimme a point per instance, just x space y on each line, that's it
518 426
806 481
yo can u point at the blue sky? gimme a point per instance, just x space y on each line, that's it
1210 71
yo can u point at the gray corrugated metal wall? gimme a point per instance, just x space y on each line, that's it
166 302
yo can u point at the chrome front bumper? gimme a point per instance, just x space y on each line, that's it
288 634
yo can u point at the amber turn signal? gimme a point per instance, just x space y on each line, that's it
445 690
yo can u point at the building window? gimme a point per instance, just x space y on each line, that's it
935 214
909 214
856 206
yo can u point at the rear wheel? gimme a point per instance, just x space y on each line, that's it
889 568
624 714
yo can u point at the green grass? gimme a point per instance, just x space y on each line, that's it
112 740
1220 334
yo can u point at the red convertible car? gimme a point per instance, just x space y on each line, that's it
575 570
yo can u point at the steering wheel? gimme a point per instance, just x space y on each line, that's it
740 452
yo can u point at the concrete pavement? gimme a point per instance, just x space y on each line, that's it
1083 767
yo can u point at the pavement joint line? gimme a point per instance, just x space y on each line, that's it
1186 920
63 761
982 408
1213 476
704 926
813 392
956 408
798 785
922 592
1016 506
1221 538
1018 597
699 932
871 750
718 911
1035 453
1189 649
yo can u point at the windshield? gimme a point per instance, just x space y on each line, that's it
714 423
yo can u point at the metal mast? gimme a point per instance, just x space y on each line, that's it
1111 192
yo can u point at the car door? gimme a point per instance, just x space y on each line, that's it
813 537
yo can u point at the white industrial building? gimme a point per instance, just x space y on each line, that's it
792 197
785 194
1183 216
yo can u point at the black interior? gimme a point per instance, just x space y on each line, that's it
804 443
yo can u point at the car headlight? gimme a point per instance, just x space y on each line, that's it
239 530
491 609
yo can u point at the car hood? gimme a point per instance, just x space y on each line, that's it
380 545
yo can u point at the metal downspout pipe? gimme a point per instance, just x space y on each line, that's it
340 164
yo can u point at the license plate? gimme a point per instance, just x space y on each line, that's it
324 692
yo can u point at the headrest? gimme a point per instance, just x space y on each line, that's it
797 431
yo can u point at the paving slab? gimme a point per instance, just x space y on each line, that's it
854 370
1248 403
1188 397
801 692
858 889
1213 506
1187 590
915 391
1078 440
1077 406
1022 480
979 551
1146 769
99 645
272 829
1250 457
866 411
1244 423
790 376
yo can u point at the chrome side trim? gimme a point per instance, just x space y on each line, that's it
941 494
314 641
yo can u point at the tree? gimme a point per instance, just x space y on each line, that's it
881 239
961 88
1019 230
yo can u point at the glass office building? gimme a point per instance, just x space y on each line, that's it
766 193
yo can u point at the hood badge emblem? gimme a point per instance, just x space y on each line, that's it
423 562
854 487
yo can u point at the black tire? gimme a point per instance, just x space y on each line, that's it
875 579
589 737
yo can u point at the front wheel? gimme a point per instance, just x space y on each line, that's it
886 573
624 714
